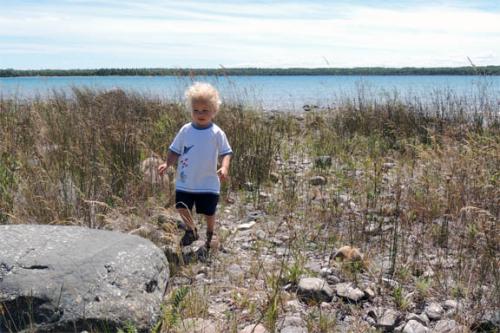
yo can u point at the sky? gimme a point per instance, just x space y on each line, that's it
66 34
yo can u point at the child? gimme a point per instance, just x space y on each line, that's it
196 148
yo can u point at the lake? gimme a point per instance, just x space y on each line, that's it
273 92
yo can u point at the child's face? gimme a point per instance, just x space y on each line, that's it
202 113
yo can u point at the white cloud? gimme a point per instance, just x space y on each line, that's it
258 34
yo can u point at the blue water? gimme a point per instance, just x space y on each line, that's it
271 92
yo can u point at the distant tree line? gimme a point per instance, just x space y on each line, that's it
469 70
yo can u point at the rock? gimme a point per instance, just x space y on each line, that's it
348 292
386 319
414 326
314 289
196 325
317 180
66 278
434 311
246 226
325 271
389 319
197 251
369 293
260 234
292 324
448 326
259 328
323 161
254 216
421 318
450 304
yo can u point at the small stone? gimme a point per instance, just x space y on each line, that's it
389 319
450 304
254 329
369 292
194 252
314 289
434 311
325 271
422 318
348 292
414 326
246 226
260 234
447 326
317 180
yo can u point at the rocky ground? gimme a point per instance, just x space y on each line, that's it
278 272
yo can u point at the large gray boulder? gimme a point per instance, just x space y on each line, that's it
65 278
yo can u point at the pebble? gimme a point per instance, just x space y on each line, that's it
246 226
260 234
314 289
434 311
422 318
447 326
450 304
389 319
414 326
347 291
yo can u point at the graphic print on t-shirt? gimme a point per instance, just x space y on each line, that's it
184 163
187 149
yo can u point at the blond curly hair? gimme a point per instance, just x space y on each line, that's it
202 91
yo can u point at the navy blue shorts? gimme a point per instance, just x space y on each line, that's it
206 203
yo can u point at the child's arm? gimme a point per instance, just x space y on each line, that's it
171 160
223 172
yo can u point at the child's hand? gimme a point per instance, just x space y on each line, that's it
223 173
162 168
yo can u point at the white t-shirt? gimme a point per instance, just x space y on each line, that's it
198 150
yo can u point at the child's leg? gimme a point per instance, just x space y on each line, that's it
210 228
